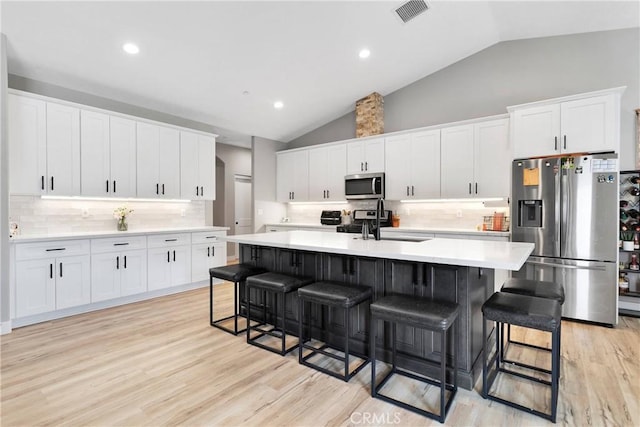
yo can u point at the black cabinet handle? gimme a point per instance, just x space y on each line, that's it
366 166
60 269
55 249
208 252
170 240
168 256
107 186
324 194
211 237
114 185
362 166
162 188
50 271
213 251
293 195
469 188
476 188
197 189
555 145
328 194
117 263
51 183
157 188
125 261
42 182
407 190
120 244
412 193
201 191
174 256
565 142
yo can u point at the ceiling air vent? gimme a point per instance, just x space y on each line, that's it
411 9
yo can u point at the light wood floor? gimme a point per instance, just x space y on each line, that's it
159 362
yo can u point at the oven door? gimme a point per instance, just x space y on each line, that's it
364 186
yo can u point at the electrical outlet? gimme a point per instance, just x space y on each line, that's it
260 211
459 213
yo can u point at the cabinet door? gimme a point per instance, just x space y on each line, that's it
293 176
318 173
207 167
425 165
73 281
147 160
336 170
189 185
397 164
588 125
105 276
284 176
133 272
355 157
374 155
457 179
492 159
169 163
159 268
63 150
35 287
27 145
536 131
123 157
218 256
201 262
180 265
94 155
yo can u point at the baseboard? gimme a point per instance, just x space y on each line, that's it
5 327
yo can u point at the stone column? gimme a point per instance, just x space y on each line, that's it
370 115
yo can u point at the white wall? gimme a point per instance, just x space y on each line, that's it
511 73
266 209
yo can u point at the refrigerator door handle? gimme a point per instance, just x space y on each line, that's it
571 267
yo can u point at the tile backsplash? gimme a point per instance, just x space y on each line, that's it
37 216
457 215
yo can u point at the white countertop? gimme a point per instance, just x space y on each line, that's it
97 234
471 253
468 231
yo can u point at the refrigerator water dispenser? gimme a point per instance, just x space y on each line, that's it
530 213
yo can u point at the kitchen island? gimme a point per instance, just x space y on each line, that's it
443 269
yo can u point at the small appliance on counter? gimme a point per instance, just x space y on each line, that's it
362 216
330 217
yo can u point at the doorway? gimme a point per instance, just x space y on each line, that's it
243 221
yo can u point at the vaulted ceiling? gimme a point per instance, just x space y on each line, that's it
225 63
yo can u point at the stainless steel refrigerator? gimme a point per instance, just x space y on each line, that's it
568 207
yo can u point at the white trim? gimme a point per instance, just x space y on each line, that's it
110 112
616 91
5 327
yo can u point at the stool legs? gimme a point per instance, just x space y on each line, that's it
271 332
236 310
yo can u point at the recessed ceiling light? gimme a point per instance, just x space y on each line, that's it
278 105
364 53
245 93
131 48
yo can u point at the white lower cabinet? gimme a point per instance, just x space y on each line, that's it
52 276
169 260
207 251
118 267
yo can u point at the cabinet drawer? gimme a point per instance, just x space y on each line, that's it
116 244
165 240
26 251
207 236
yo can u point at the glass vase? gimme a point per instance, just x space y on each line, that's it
122 224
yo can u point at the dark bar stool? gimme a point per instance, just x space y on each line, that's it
332 294
278 284
420 313
532 288
237 274
530 312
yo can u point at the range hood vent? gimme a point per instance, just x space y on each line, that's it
411 9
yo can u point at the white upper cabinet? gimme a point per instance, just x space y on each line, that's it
365 156
27 145
476 160
327 168
63 150
577 124
108 155
412 164
158 161
292 180
197 166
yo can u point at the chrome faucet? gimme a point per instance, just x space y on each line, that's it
379 215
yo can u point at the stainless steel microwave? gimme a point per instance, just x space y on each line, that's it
364 186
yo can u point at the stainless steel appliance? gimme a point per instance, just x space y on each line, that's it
568 207
364 186
330 217
362 216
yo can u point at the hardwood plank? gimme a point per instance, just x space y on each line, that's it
158 362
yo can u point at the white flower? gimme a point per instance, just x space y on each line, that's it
121 212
